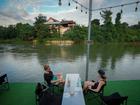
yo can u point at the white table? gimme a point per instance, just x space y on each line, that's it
77 97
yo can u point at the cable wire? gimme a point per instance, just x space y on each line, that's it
109 7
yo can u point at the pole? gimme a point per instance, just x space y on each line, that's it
89 19
88 41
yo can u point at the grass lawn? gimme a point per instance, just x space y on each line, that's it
23 93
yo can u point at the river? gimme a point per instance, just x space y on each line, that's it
24 63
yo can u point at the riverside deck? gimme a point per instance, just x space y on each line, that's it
23 93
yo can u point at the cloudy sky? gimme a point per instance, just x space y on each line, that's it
14 11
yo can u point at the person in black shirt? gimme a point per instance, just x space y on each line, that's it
48 76
95 86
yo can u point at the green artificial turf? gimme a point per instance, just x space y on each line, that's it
18 94
23 93
129 88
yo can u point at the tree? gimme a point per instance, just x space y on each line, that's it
107 29
118 19
3 33
136 26
106 15
96 33
95 22
24 31
42 32
40 29
118 36
76 33
40 19
11 32
8 32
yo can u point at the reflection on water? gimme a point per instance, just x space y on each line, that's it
25 63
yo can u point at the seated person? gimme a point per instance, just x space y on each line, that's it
95 86
48 76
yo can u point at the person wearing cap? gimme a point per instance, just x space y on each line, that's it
95 86
48 76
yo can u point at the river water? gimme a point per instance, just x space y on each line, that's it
24 63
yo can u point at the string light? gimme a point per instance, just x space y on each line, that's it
60 3
69 4
136 9
116 6
100 9
76 6
81 9
86 11
81 5
121 9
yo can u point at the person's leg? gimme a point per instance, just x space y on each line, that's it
86 84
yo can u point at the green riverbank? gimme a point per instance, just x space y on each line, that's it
23 93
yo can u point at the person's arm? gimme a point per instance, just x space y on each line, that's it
51 76
101 83
55 81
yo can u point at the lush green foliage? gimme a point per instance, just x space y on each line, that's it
8 32
76 33
24 31
40 29
118 32
21 31
107 32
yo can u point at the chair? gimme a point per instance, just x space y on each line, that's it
115 99
50 85
96 95
45 97
50 98
4 82
39 91
100 93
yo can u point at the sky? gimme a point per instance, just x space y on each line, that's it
25 11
